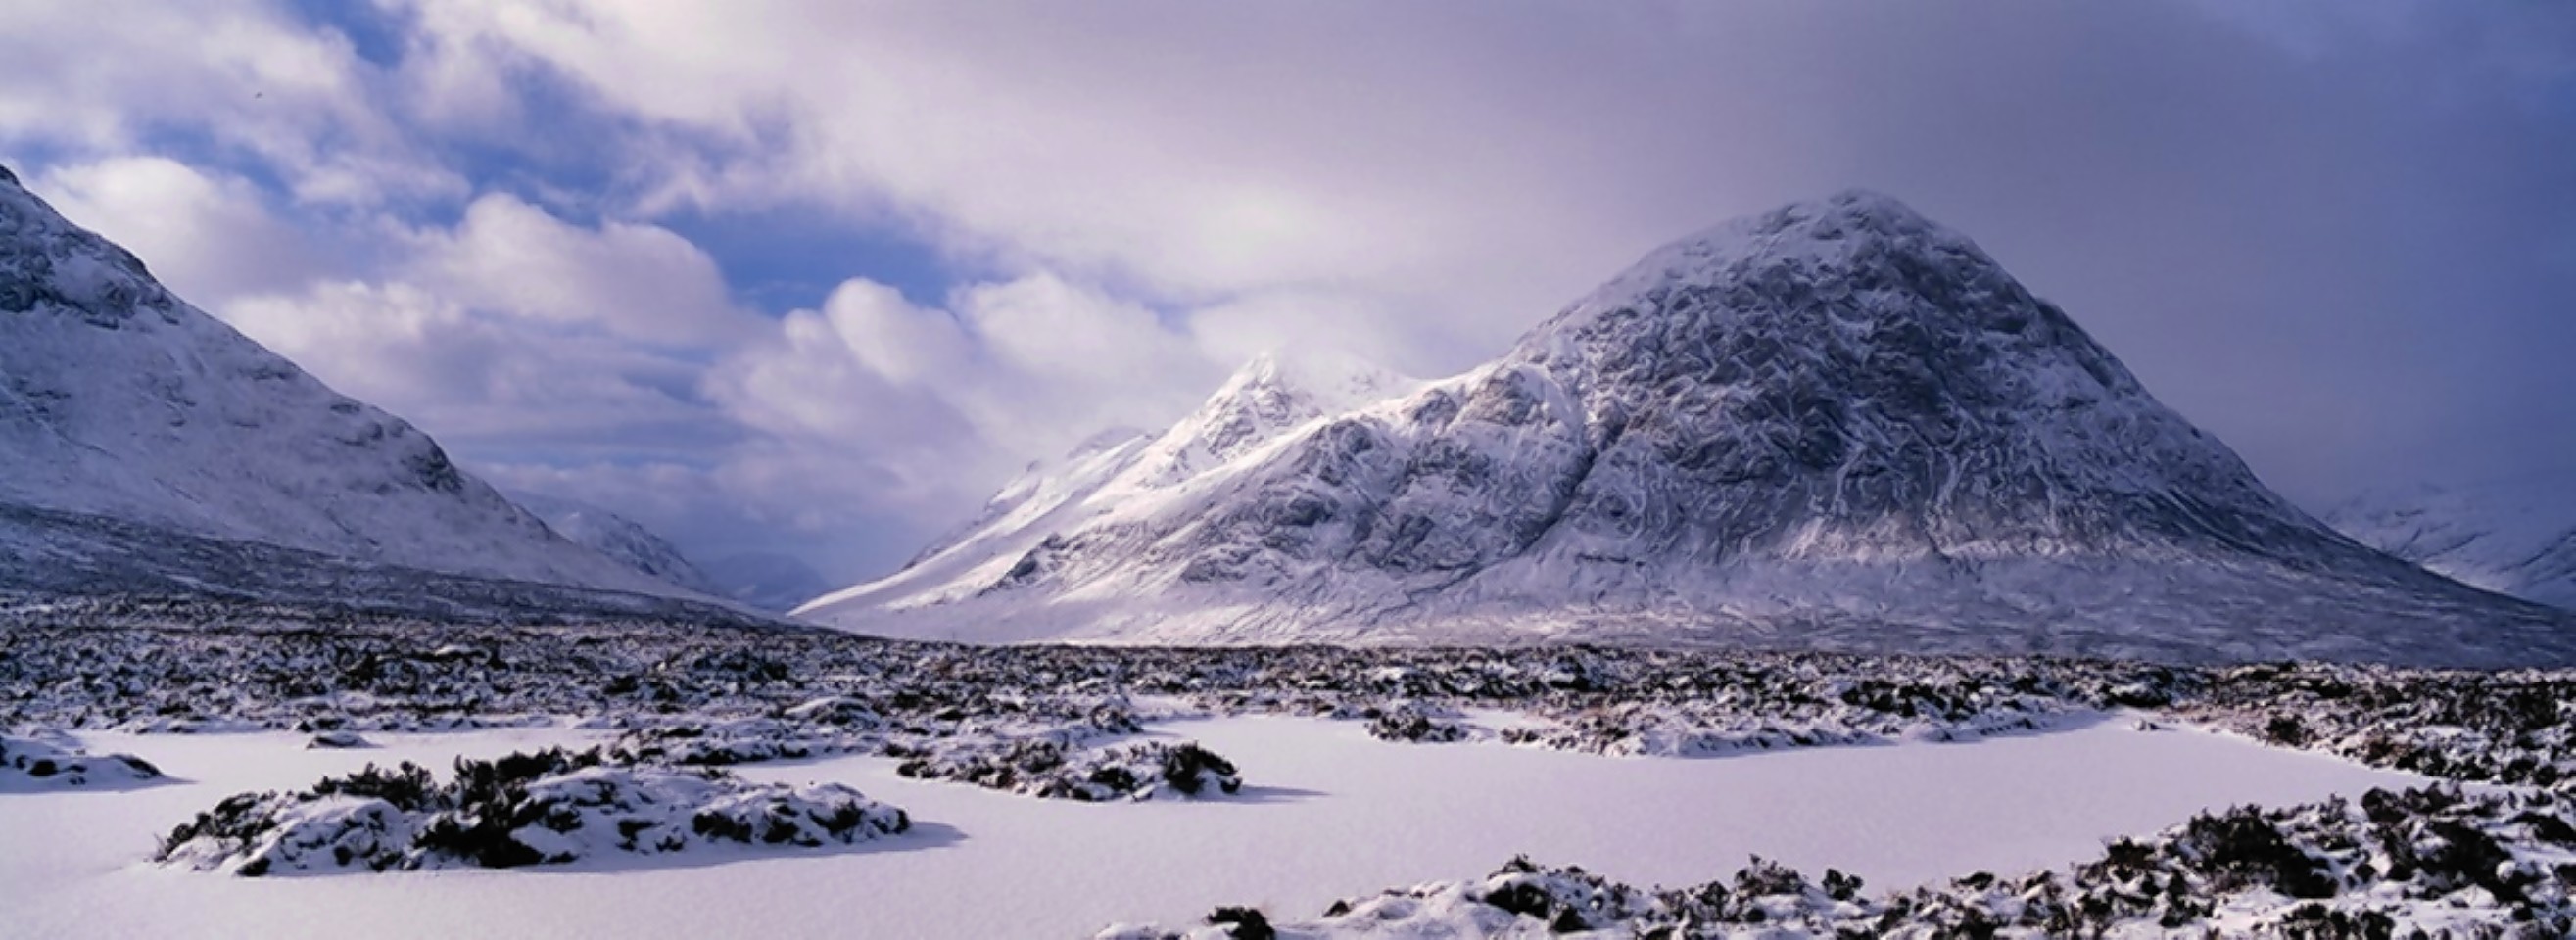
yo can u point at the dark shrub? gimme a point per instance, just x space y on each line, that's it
1245 923
231 820
2318 922
1841 887
1524 898
1568 920
483 840
2549 827
2467 855
1114 777
2241 847
1764 878
721 826
408 786
1184 765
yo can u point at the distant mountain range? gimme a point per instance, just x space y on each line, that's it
146 447
2514 536
760 580
771 581
1833 426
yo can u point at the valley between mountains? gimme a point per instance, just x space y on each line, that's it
1810 578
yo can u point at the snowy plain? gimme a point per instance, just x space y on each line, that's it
1327 813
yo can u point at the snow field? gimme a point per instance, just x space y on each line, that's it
1325 813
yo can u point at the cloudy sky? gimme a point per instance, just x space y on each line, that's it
816 276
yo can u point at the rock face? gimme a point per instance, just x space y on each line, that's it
126 412
1835 425
2515 536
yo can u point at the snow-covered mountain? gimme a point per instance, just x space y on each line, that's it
126 412
1113 475
761 580
1835 425
622 540
2515 536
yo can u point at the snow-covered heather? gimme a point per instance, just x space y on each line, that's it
1328 813
1045 766
2426 862
48 760
717 695
551 807
1089 758
2512 728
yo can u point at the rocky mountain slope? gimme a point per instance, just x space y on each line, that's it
2515 536
1835 425
146 444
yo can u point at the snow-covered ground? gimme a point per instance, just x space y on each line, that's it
1327 812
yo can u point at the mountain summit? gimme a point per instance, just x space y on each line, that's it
1845 380
1834 425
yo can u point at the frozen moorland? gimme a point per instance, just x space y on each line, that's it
1154 785
2419 862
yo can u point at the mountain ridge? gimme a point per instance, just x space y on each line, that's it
618 538
1835 414
1265 399
124 405
766 581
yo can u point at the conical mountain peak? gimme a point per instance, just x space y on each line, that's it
1835 424
1862 255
